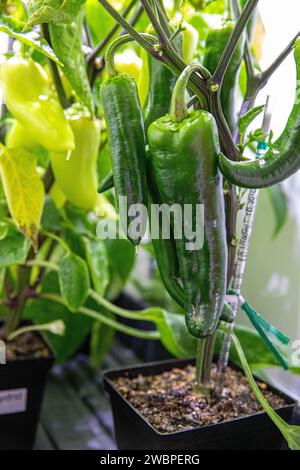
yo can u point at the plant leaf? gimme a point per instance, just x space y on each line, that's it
280 207
53 11
173 331
290 433
50 217
101 341
74 281
121 255
24 190
18 30
42 311
14 247
3 230
96 14
66 41
97 260
256 351
248 118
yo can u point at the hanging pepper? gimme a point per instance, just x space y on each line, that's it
167 259
30 99
19 136
280 161
165 250
75 172
216 42
184 148
161 79
126 135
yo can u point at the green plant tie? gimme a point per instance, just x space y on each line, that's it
262 326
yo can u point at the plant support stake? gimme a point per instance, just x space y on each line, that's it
242 252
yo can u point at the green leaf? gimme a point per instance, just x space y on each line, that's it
66 41
3 230
280 207
74 281
97 260
24 190
121 255
74 241
95 15
290 433
42 311
256 351
83 224
50 218
13 248
53 11
17 30
248 118
174 334
173 331
100 342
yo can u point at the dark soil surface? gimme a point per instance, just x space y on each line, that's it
26 346
168 402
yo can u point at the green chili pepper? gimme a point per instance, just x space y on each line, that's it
161 79
75 172
126 135
280 161
184 148
165 249
167 259
215 44
18 136
30 99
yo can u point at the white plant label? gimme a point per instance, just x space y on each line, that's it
13 401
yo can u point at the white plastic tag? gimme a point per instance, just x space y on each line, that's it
13 401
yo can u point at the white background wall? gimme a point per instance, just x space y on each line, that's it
282 22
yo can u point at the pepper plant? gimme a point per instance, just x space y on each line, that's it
163 127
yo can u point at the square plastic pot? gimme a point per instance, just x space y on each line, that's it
133 432
22 385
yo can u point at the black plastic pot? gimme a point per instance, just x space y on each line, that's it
22 384
133 432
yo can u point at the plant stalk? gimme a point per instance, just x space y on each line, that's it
237 32
54 71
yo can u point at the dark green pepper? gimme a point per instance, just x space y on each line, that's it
281 160
161 85
215 44
184 148
161 79
123 114
165 250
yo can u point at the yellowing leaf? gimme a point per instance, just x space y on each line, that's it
23 189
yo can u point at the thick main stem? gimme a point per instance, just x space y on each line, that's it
204 360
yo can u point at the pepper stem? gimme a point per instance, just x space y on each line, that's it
118 42
179 109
